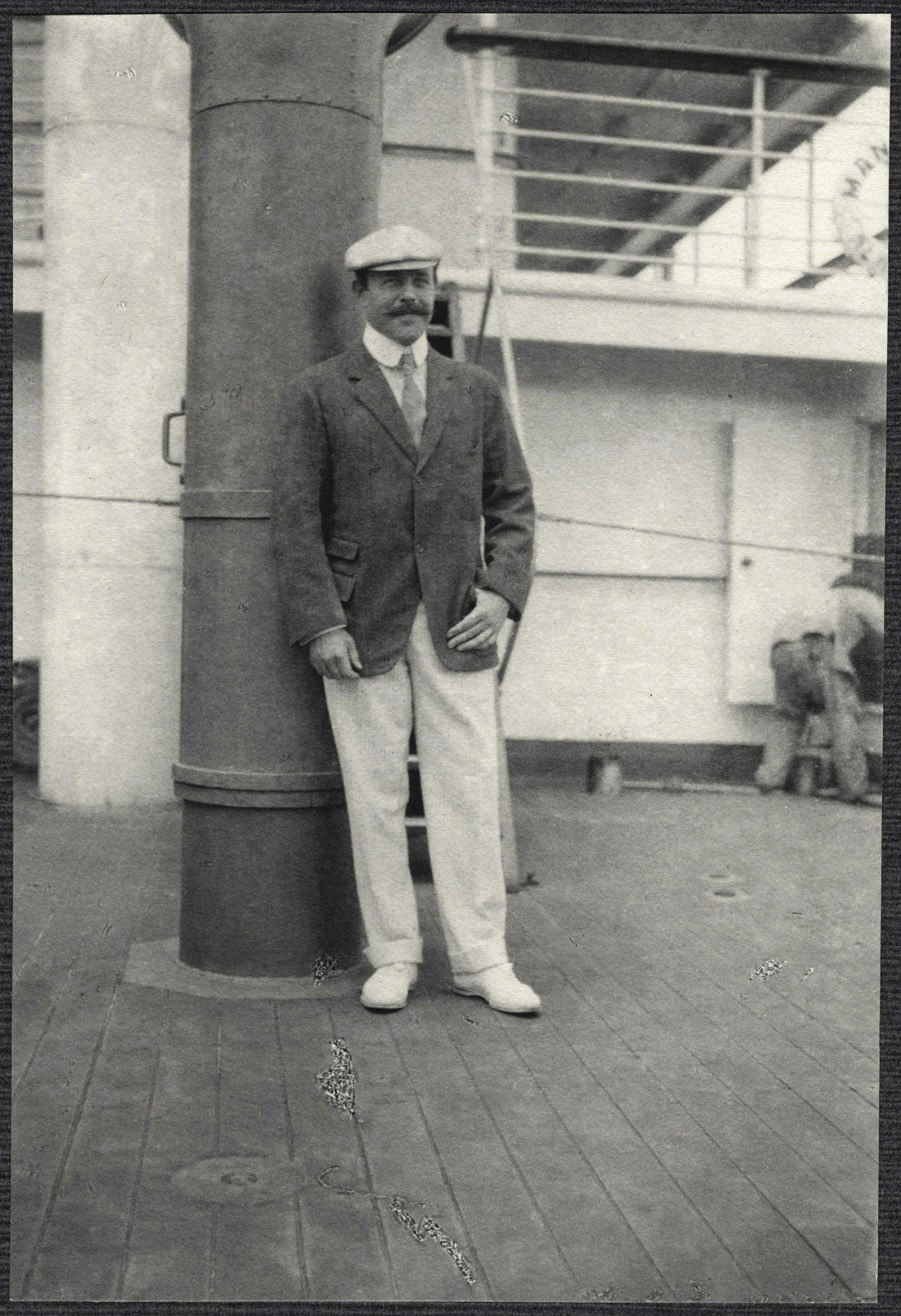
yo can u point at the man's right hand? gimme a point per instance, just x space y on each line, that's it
334 656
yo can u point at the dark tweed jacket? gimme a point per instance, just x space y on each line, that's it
364 525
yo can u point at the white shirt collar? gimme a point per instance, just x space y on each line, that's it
388 353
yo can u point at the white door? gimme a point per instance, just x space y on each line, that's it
792 485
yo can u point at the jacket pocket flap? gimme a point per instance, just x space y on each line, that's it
344 548
344 586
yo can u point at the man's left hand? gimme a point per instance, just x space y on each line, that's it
480 627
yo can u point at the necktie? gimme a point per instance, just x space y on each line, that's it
412 403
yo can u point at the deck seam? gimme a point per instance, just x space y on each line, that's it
68 974
139 1167
70 1138
289 1124
217 1147
370 1187
510 1156
471 1250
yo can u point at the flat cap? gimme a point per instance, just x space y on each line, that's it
395 248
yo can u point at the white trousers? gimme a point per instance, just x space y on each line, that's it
454 714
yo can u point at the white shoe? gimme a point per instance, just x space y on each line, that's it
389 986
501 988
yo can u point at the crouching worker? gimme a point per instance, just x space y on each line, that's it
815 662
403 527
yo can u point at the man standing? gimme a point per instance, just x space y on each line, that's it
403 529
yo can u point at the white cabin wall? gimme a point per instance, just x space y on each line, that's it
631 644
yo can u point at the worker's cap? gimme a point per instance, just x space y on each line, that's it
395 248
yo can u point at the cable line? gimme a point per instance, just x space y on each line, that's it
542 516
709 539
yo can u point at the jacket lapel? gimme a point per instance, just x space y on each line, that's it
374 392
439 397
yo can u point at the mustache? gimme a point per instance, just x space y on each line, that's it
414 308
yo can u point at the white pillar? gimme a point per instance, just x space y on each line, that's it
116 232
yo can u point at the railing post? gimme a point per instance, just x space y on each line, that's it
811 192
485 126
752 197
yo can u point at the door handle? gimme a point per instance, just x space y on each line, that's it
167 437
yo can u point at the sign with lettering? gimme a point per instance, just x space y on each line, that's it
856 203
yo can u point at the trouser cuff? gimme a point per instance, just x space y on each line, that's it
486 956
406 951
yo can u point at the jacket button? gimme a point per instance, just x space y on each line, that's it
420 548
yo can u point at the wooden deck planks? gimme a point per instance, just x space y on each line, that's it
124 882
516 1251
403 1162
708 1023
818 1212
636 1178
47 1107
80 1247
343 1239
667 1128
255 1247
36 997
766 1246
682 859
838 1123
687 913
68 981
169 1250
52 852
601 1250
48 947
781 1004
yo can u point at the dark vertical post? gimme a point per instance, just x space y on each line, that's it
285 154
